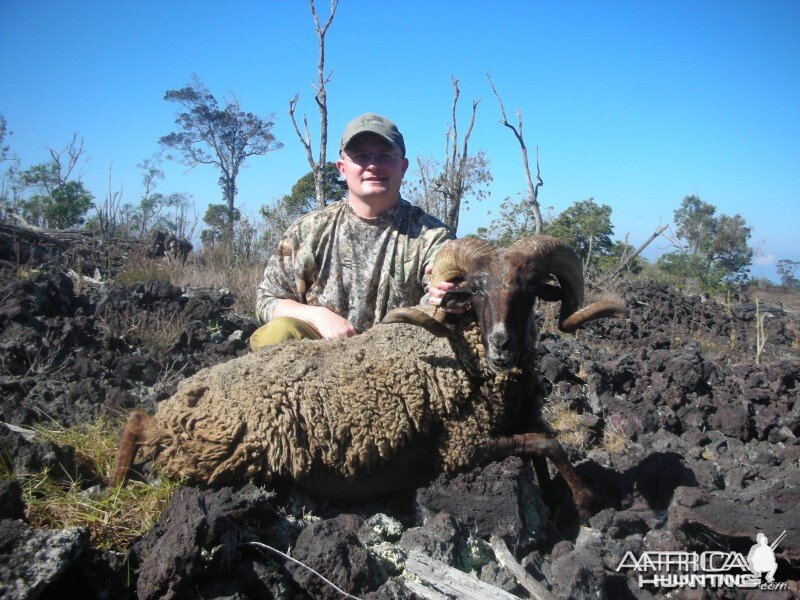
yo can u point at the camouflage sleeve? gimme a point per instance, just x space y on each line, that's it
280 281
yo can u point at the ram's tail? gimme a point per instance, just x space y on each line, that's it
134 433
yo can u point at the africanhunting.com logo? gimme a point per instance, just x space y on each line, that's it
712 569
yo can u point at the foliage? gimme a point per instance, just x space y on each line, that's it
220 136
114 516
786 270
516 220
217 218
174 213
57 201
586 226
715 250
67 205
5 150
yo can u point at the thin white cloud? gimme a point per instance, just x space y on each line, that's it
764 260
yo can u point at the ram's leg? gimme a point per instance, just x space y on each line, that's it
542 445
133 434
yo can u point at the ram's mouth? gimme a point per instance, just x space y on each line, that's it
500 365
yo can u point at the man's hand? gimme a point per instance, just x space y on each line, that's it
437 292
330 325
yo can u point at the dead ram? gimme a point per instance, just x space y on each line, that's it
378 412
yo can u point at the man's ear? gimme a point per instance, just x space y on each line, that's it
458 297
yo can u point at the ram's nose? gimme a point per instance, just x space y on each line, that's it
499 352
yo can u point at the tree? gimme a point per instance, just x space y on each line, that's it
67 205
696 224
8 171
533 189
317 165
224 137
716 246
516 220
221 222
5 150
444 187
786 270
60 202
586 226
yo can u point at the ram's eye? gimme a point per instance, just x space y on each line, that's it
531 287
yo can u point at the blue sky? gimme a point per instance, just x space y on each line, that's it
635 104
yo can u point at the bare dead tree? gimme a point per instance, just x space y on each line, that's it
455 181
533 189
444 187
65 161
321 98
108 211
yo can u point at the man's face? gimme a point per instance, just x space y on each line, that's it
372 168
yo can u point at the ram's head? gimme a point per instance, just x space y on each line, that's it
501 287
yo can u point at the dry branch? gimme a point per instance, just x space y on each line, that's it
321 98
507 560
443 581
626 261
533 189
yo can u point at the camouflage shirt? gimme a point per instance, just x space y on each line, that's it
358 268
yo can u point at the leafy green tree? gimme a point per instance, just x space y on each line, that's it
716 248
217 218
67 205
695 224
222 136
786 270
59 201
586 226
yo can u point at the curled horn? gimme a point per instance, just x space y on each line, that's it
458 258
453 262
552 256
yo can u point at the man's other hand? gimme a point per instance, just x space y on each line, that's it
330 325
437 292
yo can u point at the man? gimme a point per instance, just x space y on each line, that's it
338 271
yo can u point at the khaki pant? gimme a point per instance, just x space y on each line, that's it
281 329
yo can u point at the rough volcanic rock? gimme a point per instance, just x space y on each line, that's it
499 499
332 548
689 445
172 556
33 559
11 504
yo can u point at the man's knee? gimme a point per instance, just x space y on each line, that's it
281 329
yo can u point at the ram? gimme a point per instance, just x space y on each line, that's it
381 411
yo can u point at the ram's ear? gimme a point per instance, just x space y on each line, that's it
459 297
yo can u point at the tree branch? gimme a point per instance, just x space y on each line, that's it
507 560
624 263
533 190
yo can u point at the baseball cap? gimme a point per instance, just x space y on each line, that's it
373 123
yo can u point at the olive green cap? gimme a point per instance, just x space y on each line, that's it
372 123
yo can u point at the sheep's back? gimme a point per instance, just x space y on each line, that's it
342 410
